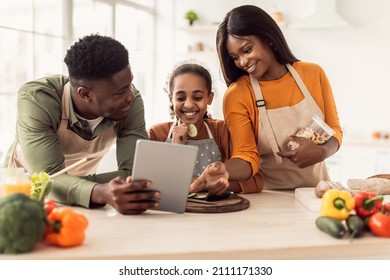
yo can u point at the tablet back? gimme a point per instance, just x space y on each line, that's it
169 167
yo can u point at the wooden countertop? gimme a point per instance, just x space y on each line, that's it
275 226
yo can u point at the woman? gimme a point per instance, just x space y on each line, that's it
270 96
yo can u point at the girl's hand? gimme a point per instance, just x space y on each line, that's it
180 134
214 178
308 153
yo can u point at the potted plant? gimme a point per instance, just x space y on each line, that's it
191 16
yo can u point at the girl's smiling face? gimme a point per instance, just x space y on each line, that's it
190 98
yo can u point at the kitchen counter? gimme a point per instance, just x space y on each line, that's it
359 158
275 226
369 142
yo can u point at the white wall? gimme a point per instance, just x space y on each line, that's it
356 60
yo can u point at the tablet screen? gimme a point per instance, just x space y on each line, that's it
169 167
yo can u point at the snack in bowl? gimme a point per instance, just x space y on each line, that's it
318 132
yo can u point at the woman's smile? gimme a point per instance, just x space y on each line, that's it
251 68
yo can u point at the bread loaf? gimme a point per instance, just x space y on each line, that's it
380 186
383 176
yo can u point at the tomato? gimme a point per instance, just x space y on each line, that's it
386 207
379 224
49 205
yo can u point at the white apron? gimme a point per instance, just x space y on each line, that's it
73 146
274 127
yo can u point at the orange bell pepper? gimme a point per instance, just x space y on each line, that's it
66 227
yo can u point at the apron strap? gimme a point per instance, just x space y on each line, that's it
208 130
315 110
260 103
299 81
65 101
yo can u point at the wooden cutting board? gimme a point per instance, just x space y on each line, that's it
232 204
307 197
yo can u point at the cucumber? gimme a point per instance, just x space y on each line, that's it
355 225
331 226
212 196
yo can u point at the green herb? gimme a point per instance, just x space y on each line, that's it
40 186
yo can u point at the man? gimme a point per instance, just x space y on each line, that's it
61 120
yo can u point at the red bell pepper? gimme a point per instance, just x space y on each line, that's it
49 205
367 203
379 223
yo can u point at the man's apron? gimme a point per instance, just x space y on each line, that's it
274 127
72 145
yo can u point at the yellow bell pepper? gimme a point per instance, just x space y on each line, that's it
337 204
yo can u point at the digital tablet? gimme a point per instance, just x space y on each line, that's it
169 167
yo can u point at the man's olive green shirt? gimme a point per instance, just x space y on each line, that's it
39 115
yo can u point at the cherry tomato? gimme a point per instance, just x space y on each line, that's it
379 224
49 205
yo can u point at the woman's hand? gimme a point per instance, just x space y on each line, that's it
308 153
127 196
180 134
214 178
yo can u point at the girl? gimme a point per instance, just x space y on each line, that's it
190 92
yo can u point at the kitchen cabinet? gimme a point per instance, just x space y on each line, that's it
359 159
199 39
198 42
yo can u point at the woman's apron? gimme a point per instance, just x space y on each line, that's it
274 127
208 151
72 145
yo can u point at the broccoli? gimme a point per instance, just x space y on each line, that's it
22 223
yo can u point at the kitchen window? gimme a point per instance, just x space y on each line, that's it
36 34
